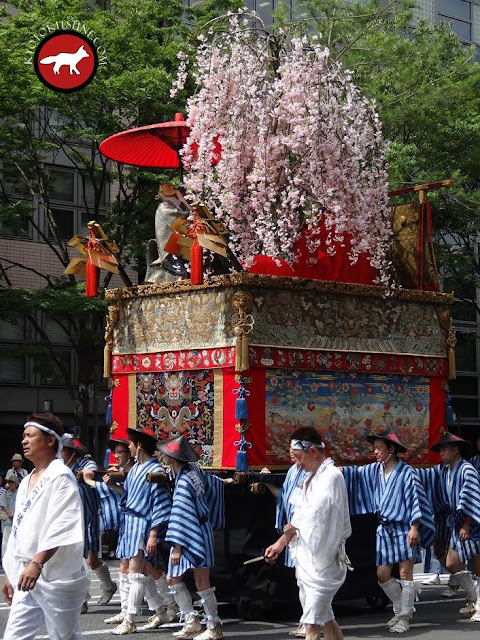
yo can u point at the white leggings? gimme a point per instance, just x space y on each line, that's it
26 619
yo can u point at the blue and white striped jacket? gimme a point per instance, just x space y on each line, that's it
144 506
284 508
397 502
197 509
91 507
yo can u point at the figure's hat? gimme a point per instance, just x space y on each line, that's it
112 443
178 448
72 443
450 438
141 431
388 436
17 456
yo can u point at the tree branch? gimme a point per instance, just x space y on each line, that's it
12 263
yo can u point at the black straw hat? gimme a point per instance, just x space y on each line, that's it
112 443
178 448
452 439
139 431
389 437
74 444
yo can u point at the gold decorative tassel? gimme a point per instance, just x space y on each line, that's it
112 320
243 323
242 362
451 341
245 356
107 362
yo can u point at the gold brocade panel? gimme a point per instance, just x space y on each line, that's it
286 313
410 244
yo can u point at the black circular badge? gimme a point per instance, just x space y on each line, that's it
65 61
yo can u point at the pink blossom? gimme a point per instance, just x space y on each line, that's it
300 145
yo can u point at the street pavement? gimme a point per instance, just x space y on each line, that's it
436 618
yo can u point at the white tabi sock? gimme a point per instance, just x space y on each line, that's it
136 594
407 598
393 591
210 606
477 589
153 598
182 597
124 588
464 580
164 591
103 574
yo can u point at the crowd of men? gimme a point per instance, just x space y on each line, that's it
56 534
437 506
56 531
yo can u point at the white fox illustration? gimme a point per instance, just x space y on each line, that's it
71 59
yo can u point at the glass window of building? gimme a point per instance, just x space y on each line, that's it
13 368
86 197
458 14
14 194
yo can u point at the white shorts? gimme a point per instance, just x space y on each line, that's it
27 618
317 589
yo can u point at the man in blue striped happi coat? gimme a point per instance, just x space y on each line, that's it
110 494
456 490
73 454
197 509
145 514
475 460
391 490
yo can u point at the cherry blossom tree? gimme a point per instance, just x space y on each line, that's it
302 148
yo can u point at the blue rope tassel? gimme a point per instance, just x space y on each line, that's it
241 409
241 462
108 411
241 413
450 414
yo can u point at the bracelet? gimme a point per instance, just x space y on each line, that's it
36 564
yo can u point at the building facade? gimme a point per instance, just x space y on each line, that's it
72 197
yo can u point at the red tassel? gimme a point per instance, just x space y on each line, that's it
91 285
196 263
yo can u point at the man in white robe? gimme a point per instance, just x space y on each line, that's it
46 578
316 535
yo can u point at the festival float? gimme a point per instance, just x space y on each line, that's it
282 289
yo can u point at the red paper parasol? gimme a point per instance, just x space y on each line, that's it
154 146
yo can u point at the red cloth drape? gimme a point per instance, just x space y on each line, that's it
438 415
338 268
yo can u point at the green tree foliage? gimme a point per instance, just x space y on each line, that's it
423 80
426 85
138 44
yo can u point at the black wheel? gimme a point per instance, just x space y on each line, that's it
248 609
377 600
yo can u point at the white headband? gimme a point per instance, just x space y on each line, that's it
304 445
43 428
50 432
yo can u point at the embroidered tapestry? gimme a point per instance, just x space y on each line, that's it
179 403
346 407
